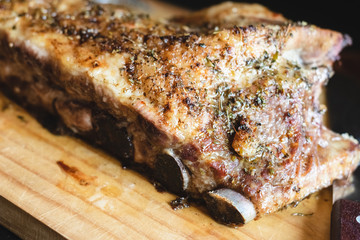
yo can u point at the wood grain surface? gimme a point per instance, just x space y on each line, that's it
82 193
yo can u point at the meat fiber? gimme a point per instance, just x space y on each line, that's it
220 104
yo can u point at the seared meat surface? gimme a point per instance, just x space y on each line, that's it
230 92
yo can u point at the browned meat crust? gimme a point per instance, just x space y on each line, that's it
229 93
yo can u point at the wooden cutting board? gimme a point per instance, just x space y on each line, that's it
57 186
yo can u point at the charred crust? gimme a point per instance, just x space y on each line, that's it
188 103
152 131
237 29
251 28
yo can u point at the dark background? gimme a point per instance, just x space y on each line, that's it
344 88
7 235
